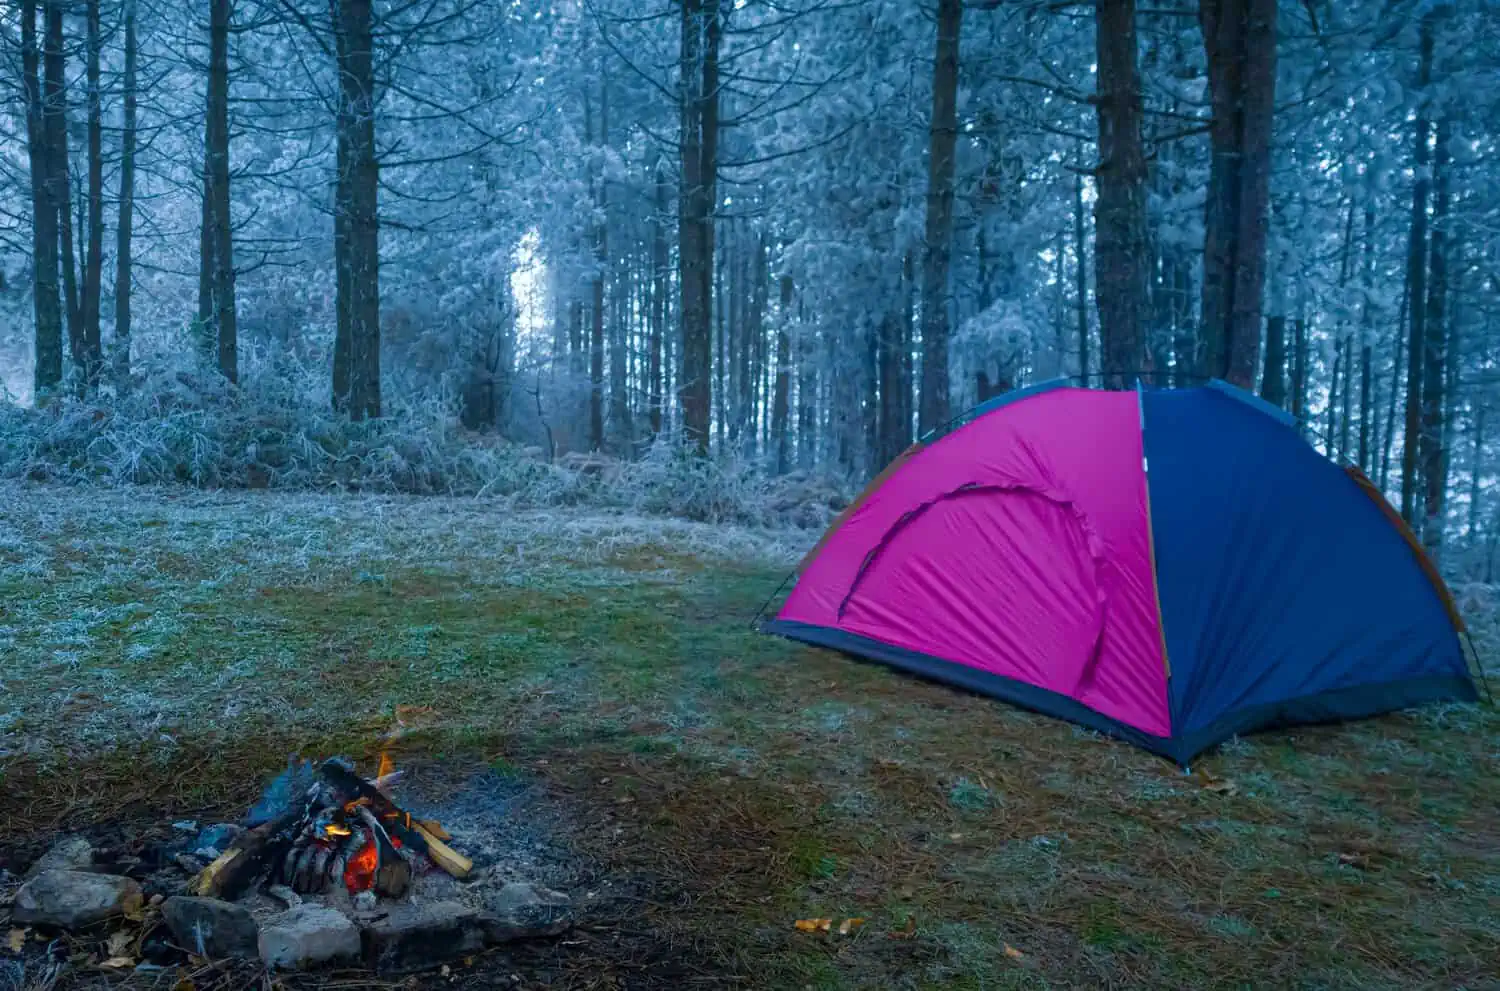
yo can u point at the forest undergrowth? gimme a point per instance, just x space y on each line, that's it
168 648
180 427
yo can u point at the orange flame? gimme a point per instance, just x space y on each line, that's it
359 873
386 765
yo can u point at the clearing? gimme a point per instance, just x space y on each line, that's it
163 653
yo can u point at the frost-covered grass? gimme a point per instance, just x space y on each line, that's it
130 614
166 649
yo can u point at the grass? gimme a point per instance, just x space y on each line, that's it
164 653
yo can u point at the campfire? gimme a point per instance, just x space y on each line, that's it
327 868
342 831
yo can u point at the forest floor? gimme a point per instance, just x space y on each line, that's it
165 652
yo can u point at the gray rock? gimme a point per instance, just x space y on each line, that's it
211 928
307 936
526 911
71 853
415 937
74 899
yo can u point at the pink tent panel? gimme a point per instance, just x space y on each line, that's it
1018 545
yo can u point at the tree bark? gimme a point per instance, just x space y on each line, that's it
1121 249
93 267
807 395
55 113
943 136
354 27
1331 432
659 261
1366 350
216 306
126 225
46 302
1273 379
1080 246
781 399
1397 371
1299 369
1240 42
1430 449
755 332
1476 470
1416 277
601 263
699 54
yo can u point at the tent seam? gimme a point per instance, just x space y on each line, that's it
1161 616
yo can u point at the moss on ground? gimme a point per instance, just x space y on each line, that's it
750 782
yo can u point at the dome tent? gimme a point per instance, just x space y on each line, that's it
1172 567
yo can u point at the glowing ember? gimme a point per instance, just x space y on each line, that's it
359 874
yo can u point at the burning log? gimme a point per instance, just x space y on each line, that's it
236 868
343 830
397 822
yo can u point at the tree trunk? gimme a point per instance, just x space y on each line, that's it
1299 369
722 366
601 264
1397 371
1344 399
1121 249
1239 39
1430 449
1331 432
943 137
1416 277
699 53
755 331
656 387
121 347
343 187
355 26
55 112
807 395
906 364
1476 470
1080 246
1273 379
46 303
93 268
1366 350
216 307
781 400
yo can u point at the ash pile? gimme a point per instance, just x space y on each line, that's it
326 870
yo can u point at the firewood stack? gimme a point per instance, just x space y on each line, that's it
344 830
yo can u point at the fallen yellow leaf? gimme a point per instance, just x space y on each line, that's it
813 925
1012 952
849 925
118 943
16 940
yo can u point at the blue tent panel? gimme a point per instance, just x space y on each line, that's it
1287 595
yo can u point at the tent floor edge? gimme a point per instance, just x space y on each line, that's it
1340 705
936 669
